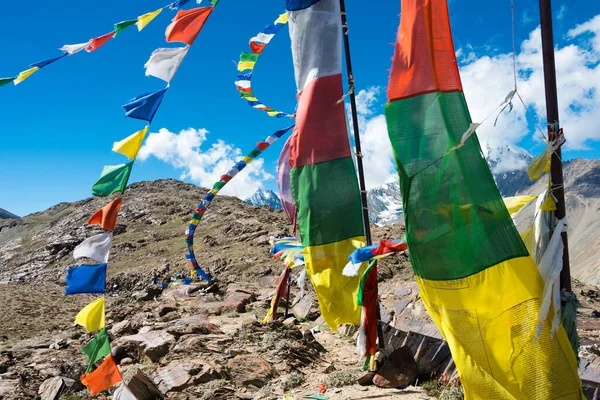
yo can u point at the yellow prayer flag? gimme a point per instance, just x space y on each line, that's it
244 65
251 98
283 19
24 75
145 19
514 204
214 191
91 317
247 159
130 146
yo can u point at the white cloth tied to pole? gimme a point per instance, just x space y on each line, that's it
95 247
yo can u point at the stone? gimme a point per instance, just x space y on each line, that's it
122 328
196 324
9 388
50 389
179 375
126 361
398 371
366 379
118 353
250 369
290 321
142 388
165 309
149 293
153 344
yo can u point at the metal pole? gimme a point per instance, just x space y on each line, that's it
359 161
359 156
556 171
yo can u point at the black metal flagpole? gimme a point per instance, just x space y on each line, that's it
359 156
556 170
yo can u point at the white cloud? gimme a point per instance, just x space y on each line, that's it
183 151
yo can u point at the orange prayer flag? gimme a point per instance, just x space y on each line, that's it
105 376
106 217
187 25
96 43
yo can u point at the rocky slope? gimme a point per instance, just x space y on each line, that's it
7 215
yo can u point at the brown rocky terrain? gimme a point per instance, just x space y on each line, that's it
206 341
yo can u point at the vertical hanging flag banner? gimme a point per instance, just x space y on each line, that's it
187 25
113 179
145 105
164 63
323 179
475 276
130 146
91 317
105 376
145 19
283 182
106 217
96 349
86 279
98 42
96 247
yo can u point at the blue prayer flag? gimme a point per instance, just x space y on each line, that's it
86 279
144 106
42 64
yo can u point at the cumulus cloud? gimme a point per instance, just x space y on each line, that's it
184 151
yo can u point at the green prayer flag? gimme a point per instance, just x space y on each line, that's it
6 81
121 26
249 56
214 2
97 348
113 179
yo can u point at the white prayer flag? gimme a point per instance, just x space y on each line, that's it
163 63
95 247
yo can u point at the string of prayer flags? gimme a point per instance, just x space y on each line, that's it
42 64
98 42
130 146
145 19
145 105
176 5
113 179
24 75
205 203
86 279
121 26
187 25
105 376
96 348
92 317
95 247
366 253
248 62
6 81
106 217
164 63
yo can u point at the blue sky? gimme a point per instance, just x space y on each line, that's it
57 128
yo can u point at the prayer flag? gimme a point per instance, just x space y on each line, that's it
106 217
91 317
113 179
164 63
247 61
187 25
145 19
130 146
98 42
96 348
42 64
176 5
24 75
86 279
95 247
6 81
105 376
145 105
74 48
121 26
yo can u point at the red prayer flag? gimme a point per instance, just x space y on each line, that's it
98 42
187 24
106 217
388 246
105 376
257 48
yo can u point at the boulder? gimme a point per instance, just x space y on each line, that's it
179 375
165 309
122 328
250 369
50 389
398 371
149 293
196 324
153 344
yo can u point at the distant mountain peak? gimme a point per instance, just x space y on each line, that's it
267 198
7 215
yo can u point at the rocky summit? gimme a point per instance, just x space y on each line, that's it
207 340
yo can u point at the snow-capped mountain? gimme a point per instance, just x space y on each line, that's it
509 166
385 204
265 198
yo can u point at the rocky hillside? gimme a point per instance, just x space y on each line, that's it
7 215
